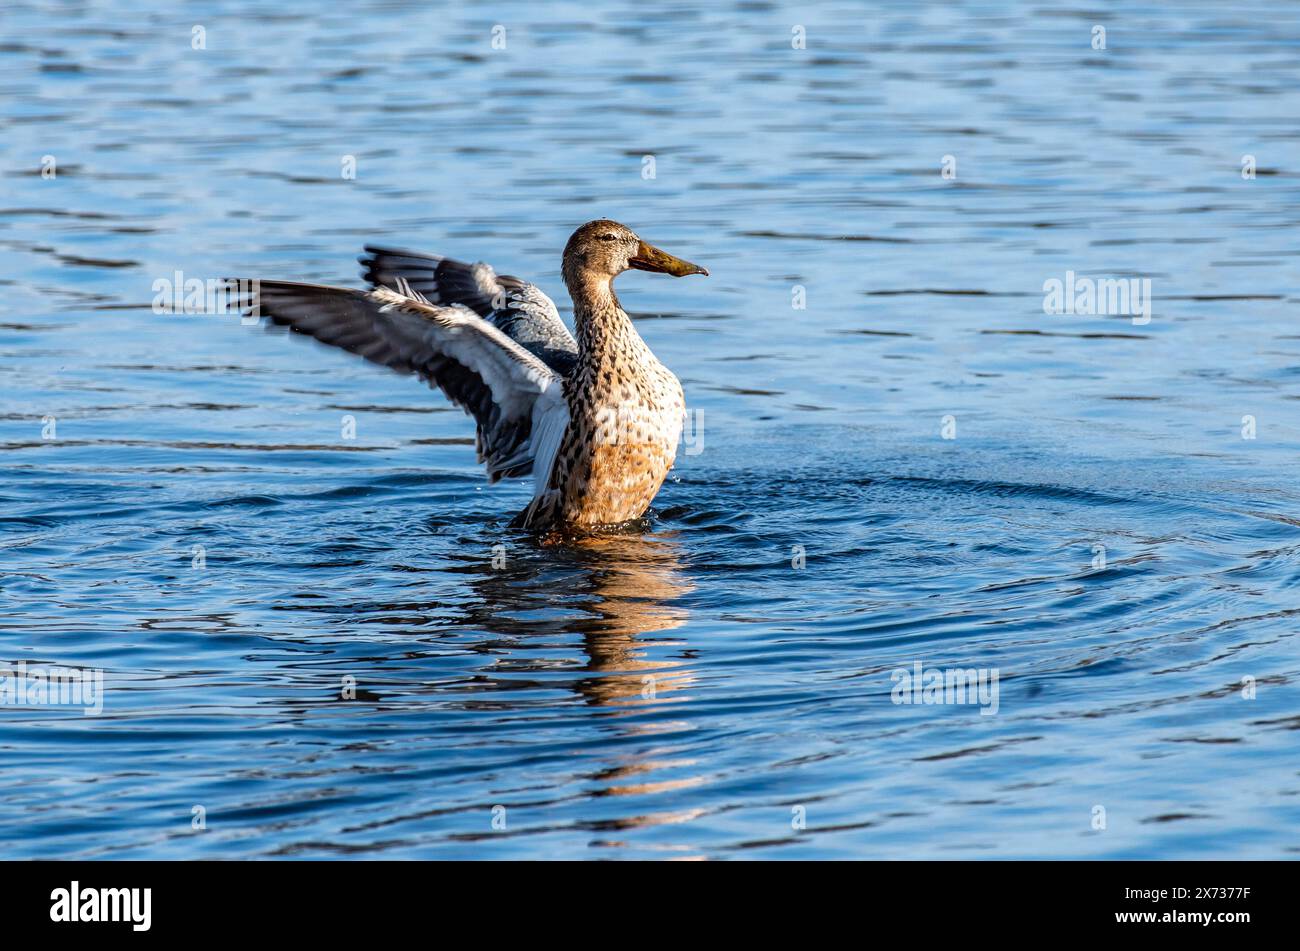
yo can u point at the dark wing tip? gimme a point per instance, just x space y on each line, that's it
375 251
379 263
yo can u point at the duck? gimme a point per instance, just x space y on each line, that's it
593 417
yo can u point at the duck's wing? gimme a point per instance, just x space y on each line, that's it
520 310
516 399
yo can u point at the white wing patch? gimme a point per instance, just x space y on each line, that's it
550 422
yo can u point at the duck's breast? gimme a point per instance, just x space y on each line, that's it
624 443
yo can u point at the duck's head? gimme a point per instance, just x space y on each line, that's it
607 249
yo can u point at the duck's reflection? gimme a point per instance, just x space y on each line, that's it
620 593
624 597
627 592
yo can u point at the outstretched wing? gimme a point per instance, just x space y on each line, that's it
516 399
520 310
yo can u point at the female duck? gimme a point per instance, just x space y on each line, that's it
595 420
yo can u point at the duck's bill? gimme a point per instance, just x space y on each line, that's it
650 258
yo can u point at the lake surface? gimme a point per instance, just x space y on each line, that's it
320 646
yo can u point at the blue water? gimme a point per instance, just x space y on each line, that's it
196 526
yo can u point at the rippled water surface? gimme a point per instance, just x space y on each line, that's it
179 506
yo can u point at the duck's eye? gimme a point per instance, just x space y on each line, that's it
609 237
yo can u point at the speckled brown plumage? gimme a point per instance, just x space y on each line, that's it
625 416
625 407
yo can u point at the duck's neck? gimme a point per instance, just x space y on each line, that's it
604 328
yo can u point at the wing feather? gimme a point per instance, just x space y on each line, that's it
514 397
519 309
